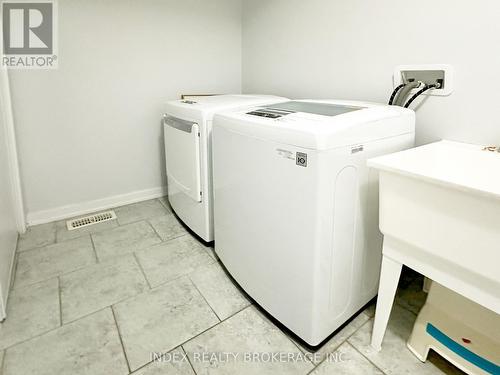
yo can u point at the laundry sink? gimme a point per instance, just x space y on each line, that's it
440 207
456 165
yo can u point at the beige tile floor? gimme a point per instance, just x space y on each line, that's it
105 299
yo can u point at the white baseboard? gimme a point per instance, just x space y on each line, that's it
78 209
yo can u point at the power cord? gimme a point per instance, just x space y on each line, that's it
420 92
395 92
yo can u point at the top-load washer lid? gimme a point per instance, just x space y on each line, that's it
317 108
202 108
320 124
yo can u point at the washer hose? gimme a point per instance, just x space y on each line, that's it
418 93
405 91
394 93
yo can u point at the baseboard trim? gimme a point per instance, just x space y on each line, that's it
78 209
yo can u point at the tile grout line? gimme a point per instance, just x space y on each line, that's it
83 234
98 261
18 250
157 244
315 367
97 311
215 325
341 343
73 270
71 321
298 347
122 300
142 270
189 361
154 229
163 283
33 337
121 340
39 247
111 306
204 299
14 273
59 241
300 350
146 218
105 307
164 205
57 235
407 308
175 237
2 364
60 301
201 333
156 286
368 359
93 247
54 276
232 280
168 282
261 311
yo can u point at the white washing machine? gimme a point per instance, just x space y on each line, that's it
296 208
187 134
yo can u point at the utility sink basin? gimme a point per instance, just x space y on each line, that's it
457 165
440 215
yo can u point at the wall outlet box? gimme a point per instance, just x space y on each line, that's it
428 73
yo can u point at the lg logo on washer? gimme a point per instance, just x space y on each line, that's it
29 35
301 159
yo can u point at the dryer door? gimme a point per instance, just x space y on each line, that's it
182 150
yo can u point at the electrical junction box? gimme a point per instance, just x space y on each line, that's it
429 74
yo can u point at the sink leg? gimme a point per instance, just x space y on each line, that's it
389 278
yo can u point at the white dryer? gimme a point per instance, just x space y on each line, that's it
187 135
296 208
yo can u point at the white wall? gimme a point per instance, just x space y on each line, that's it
349 48
90 130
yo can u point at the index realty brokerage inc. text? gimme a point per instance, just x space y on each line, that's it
246 357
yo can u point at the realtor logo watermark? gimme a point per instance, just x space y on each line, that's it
29 34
